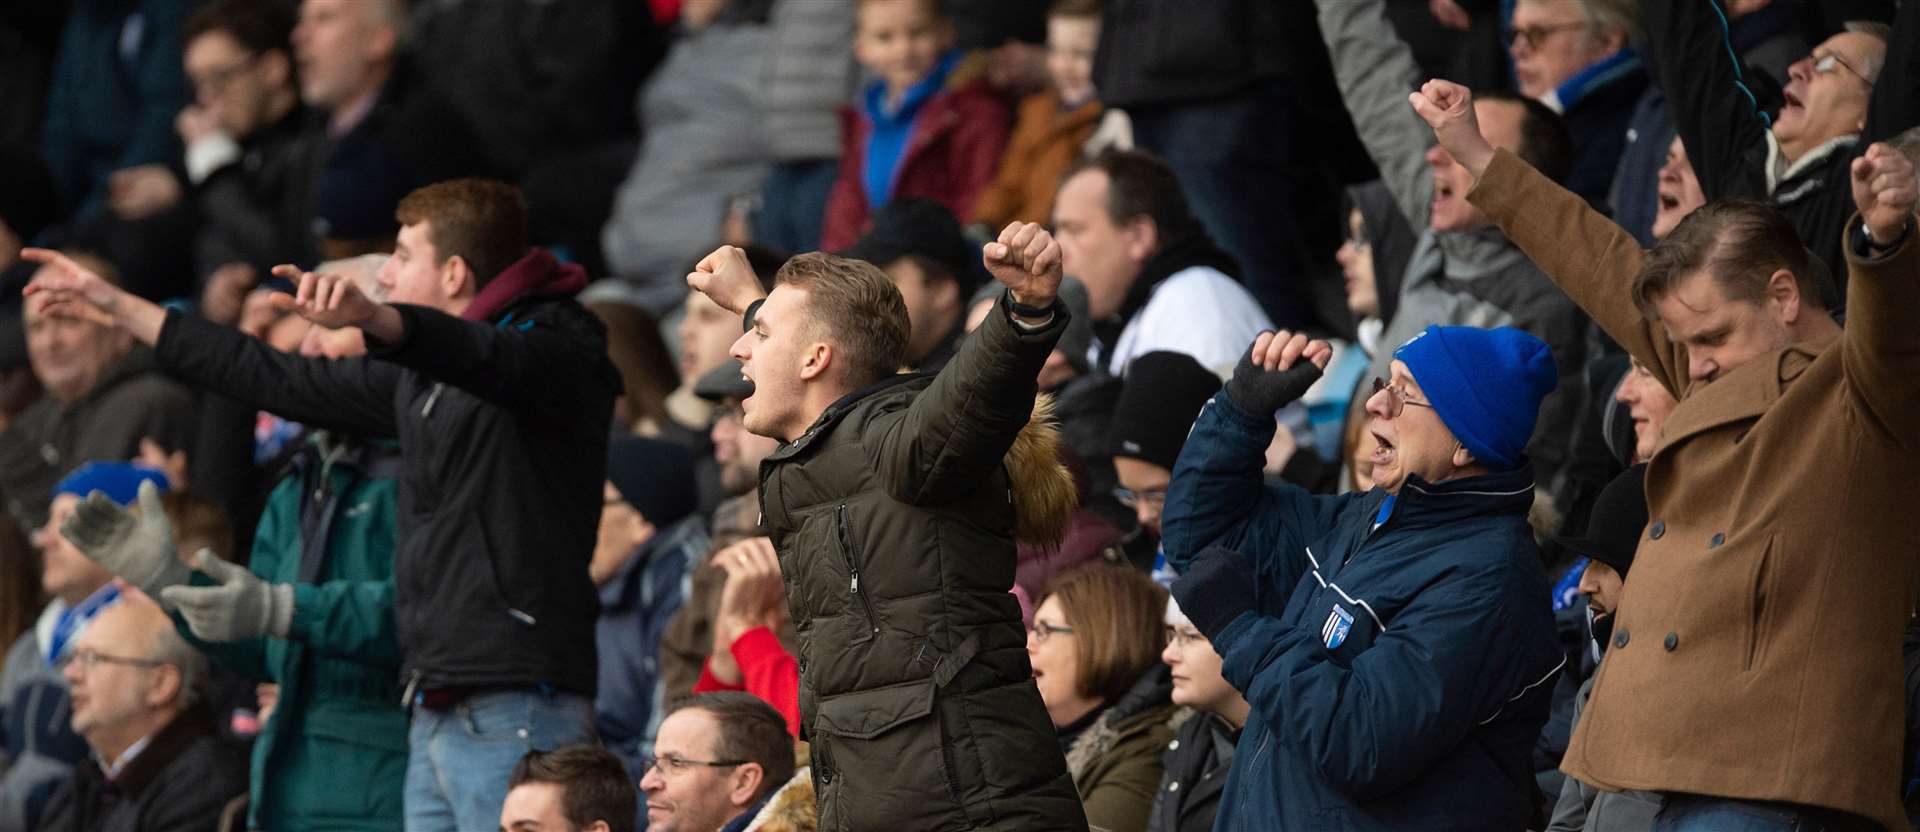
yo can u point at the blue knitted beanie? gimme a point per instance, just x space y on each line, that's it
1486 385
120 481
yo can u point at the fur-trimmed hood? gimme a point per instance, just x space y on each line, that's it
1043 491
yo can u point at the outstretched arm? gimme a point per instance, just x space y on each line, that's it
1375 69
355 396
1881 343
1589 257
1718 117
961 427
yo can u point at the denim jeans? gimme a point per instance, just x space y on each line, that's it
459 758
793 204
1697 813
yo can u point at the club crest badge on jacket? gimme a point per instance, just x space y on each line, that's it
1334 632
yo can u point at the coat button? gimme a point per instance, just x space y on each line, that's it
1173 746
1620 638
1673 641
1173 786
1717 541
1657 530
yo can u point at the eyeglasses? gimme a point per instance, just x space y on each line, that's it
1534 35
1825 64
1133 499
1397 397
88 659
1041 630
672 765
1183 636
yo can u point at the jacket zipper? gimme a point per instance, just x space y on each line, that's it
853 568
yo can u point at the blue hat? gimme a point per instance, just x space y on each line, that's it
120 481
1486 384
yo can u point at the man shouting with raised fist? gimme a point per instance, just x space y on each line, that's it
1396 646
894 502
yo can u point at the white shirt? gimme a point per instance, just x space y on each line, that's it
1198 311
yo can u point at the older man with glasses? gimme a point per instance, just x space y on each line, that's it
1575 57
157 764
718 759
1395 647
1836 104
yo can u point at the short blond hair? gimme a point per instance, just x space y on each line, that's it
857 307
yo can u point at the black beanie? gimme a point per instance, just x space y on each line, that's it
1162 394
654 476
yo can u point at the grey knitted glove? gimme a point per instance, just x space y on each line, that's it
243 606
1260 391
137 547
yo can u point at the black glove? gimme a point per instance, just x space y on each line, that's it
1260 393
1217 588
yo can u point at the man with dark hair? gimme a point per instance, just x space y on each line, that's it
915 690
498 388
918 243
574 788
719 758
1462 271
1777 495
252 150
1155 280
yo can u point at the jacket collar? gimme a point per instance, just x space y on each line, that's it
165 747
840 408
1743 393
1179 254
1501 492
537 275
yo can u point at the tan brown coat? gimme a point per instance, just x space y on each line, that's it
1757 649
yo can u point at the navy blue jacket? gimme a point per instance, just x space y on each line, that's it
1398 676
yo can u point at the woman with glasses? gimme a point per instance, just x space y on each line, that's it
1197 760
1094 645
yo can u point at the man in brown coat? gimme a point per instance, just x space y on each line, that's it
1755 671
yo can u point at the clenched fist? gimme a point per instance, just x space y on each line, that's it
1276 371
1884 189
727 278
1027 259
1447 107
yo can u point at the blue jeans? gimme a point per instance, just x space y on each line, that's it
459 759
1697 813
793 204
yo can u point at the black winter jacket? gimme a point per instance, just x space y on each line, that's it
894 517
259 209
181 782
503 432
1196 764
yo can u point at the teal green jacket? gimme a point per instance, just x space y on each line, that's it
333 754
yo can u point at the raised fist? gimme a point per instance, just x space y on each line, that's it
727 277
1027 259
1447 107
1884 189
1273 375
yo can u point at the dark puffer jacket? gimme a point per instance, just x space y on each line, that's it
894 516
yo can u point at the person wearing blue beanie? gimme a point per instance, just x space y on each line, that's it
119 481
1395 646
1486 385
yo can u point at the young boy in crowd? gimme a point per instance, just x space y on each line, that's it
1054 124
928 127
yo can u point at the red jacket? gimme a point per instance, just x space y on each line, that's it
951 157
767 671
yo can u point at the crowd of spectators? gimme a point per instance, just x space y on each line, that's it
367 461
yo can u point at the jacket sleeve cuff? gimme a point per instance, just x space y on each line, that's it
410 323
301 623
709 683
755 647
